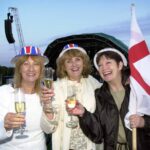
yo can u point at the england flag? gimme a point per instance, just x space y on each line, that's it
139 62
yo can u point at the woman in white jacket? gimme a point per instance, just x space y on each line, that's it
29 65
73 68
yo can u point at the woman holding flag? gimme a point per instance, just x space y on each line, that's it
106 124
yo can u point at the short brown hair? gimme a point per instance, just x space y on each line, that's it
125 72
61 73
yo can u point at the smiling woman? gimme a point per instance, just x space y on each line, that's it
73 69
112 99
29 71
91 44
29 65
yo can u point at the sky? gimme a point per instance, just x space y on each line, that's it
44 21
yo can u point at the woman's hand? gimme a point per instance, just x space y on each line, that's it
46 95
136 121
78 110
46 99
13 120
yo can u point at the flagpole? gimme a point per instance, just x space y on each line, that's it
134 130
134 139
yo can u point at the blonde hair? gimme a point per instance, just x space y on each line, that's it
61 72
17 74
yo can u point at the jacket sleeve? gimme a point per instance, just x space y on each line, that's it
47 125
4 135
5 103
147 121
91 126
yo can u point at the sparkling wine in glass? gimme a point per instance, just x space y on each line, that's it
71 103
20 107
48 77
48 82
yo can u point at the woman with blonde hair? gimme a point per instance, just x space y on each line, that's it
73 69
21 129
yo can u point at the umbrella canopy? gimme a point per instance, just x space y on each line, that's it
90 42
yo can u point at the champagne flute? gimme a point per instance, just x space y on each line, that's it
71 103
51 107
20 107
48 82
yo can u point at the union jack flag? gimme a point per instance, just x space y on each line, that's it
70 46
29 50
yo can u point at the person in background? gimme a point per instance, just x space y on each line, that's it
29 65
73 68
112 98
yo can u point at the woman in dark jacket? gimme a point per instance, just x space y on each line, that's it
106 124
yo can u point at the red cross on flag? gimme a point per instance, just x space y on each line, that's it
139 62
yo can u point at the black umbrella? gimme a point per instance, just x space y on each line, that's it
90 42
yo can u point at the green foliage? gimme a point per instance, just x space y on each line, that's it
6 72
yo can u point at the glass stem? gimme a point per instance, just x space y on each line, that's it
21 129
71 118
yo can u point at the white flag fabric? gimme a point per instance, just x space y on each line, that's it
139 62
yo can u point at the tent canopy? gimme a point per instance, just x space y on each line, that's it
90 42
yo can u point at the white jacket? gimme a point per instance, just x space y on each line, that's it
36 138
85 95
